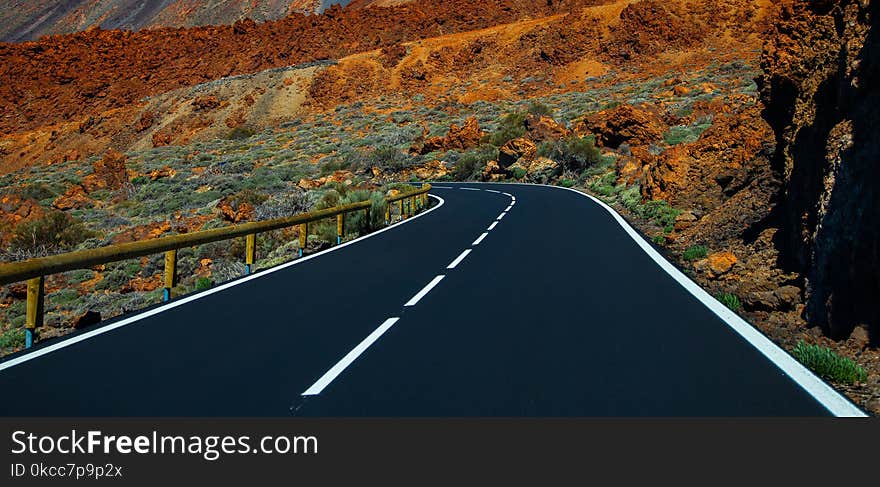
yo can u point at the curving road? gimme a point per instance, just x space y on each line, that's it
503 300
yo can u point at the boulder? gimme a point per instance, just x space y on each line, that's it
234 212
108 173
203 103
493 172
720 262
685 220
622 124
86 319
460 138
541 128
516 149
74 198
165 172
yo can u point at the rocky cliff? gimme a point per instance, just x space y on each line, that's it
821 89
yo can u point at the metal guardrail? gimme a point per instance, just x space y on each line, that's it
34 271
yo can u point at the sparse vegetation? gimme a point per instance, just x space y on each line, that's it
55 231
829 365
682 134
695 252
573 153
730 300
203 283
12 338
470 164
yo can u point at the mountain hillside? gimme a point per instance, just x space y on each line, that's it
28 20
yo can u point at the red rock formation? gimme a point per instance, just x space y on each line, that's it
623 124
90 72
461 138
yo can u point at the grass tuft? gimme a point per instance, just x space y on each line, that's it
695 252
730 300
829 365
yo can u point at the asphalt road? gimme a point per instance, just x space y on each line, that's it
555 311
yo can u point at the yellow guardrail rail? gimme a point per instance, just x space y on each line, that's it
34 271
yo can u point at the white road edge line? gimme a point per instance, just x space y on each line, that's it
458 259
502 215
470 189
479 239
425 290
508 208
835 402
350 357
180 302
492 226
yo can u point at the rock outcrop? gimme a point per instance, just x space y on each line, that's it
459 138
821 89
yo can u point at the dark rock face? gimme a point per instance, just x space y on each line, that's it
821 89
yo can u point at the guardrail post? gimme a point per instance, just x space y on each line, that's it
388 214
170 273
36 291
402 214
250 253
340 227
303 237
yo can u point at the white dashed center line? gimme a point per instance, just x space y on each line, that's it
421 294
340 366
350 357
458 259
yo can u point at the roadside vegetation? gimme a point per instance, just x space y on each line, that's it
828 364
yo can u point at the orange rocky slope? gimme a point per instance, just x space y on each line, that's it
491 49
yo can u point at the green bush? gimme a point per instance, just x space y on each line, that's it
113 280
470 164
573 152
659 212
56 230
249 196
510 127
730 300
631 197
37 192
13 338
538 108
605 185
203 283
519 173
566 183
385 157
240 133
659 239
695 252
829 365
